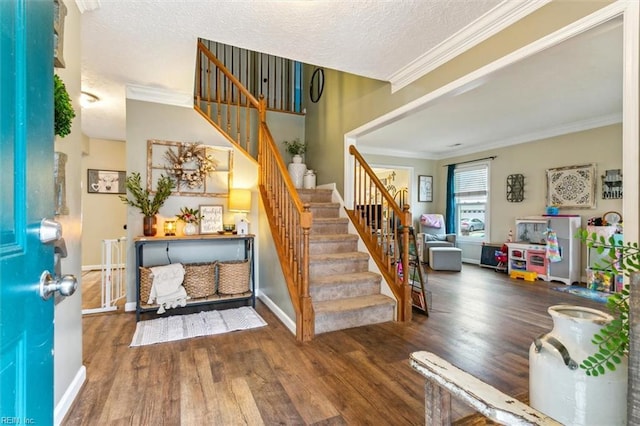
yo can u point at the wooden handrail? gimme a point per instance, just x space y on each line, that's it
289 219
290 223
384 229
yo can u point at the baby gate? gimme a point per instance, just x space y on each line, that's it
114 258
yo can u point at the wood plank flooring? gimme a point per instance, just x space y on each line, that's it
480 321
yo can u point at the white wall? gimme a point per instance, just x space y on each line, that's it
68 368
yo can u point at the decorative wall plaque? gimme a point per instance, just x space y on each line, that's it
572 186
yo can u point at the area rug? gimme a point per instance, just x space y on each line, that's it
206 323
594 295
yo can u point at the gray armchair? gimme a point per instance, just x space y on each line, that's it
434 233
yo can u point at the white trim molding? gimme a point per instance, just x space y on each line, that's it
489 24
159 96
62 407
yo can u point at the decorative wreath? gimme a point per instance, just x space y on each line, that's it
190 165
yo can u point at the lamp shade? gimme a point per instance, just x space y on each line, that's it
240 200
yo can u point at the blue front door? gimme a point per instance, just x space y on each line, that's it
26 197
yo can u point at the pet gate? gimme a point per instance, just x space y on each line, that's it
114 258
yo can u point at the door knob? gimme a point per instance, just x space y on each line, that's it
66 285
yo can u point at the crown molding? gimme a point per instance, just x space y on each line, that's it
87 5
159 96
489 24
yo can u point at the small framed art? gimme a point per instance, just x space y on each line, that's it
106 181
425 188
211 219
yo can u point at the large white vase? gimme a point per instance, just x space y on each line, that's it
559 387
296 170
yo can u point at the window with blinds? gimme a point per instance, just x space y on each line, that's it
471 195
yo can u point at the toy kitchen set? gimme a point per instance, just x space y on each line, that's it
530 251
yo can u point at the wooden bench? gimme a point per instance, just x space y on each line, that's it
445 380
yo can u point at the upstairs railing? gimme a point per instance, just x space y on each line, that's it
383 227
241 117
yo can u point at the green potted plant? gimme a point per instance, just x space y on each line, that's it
148 206
613 340
62 109
295 148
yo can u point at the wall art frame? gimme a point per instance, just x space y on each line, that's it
211 218
106 181
572 186
216 183
425 188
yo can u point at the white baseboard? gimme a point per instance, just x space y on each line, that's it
291 325
62 408
99 267
130 306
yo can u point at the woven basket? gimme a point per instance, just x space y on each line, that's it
233 277
145 285
200 279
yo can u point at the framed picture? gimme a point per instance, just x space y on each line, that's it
425 188
106 181
572 187
211 219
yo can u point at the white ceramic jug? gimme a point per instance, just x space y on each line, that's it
559 388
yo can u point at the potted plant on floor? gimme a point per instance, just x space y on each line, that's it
296 168
148 206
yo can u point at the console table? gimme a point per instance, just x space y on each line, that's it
205 246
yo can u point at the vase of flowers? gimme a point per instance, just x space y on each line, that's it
142 199
191 218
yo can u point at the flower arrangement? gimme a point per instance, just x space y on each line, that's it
190 165
295 147
148 207
188 215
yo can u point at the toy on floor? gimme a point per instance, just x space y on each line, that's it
525 275
502 256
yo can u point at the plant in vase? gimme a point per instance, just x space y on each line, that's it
613 340
296 168
295 148
191 218
148 206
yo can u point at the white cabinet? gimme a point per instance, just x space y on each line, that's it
529 251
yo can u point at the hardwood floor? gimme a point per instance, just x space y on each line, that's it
480 321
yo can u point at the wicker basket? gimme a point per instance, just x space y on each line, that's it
145 285
233 277
200 279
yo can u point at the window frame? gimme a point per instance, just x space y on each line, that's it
476 165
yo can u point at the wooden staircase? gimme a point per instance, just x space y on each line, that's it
343 291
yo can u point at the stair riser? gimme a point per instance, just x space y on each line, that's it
365 316
318 197
326 247
329 228
328 212
342 290
321 269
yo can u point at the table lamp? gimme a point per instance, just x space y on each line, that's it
240 202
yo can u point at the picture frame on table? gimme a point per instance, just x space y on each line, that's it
211 219
106 181
425 188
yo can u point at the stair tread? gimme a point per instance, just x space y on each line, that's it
352 303
332 237
323 204
331 219
352 255
344 278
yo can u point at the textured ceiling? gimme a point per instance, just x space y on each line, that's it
152 43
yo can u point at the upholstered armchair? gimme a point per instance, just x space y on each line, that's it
433 229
